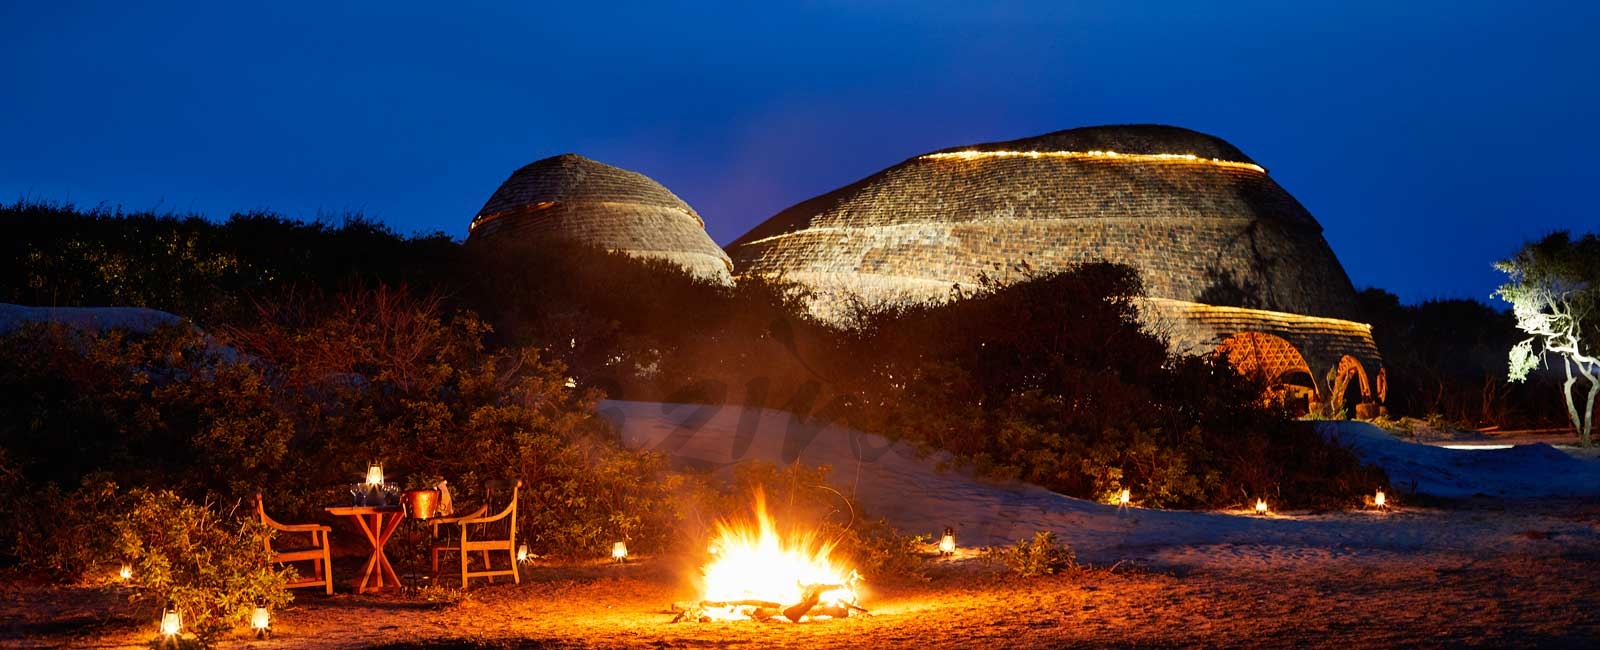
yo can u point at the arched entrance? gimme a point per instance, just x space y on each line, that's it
1347 386
1276 362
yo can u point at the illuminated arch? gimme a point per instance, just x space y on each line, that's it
1270 357
1349 368
1339 382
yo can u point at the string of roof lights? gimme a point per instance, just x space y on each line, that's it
1095 155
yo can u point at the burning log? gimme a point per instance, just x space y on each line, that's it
763 610
813 595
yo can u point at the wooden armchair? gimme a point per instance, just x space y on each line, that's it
490 528
316 553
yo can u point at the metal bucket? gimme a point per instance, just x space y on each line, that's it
421 504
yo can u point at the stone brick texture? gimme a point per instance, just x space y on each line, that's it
573 198
1201 235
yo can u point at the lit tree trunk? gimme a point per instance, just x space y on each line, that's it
1583 420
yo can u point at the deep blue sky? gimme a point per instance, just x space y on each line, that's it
1428 138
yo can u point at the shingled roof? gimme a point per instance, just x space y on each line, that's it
577 199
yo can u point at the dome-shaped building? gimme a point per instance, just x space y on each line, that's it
1229 259
576 199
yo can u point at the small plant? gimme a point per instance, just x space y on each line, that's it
214 572
1041 556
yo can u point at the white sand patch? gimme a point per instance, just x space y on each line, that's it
890 481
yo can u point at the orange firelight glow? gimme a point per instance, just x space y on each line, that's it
1125 497
1380 499
1261 506
758 564
126 572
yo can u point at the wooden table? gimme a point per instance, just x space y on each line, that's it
378 523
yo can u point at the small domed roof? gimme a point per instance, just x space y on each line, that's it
576 199
571 178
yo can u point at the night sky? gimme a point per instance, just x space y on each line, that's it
1430 139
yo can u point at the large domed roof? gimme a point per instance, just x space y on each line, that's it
577 199
1201 221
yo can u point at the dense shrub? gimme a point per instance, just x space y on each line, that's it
1447 359
213 570
1054 381
58 255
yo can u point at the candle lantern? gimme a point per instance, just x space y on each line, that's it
522 553
1380 500
374 475
261 621
1261 506
171 621
1124 497
126 573
947 542
619 551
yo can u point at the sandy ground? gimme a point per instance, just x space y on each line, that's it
1491 548
1543 594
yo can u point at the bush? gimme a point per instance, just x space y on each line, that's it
1041 556
1053 381
213 571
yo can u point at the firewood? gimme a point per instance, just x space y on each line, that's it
813 595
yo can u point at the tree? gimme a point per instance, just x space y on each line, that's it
1555 295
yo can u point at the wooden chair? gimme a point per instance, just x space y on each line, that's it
490 528
316 553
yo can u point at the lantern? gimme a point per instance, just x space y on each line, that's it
171 621
261 621
1261 506
126 573
947 542
619 551
1124 497
375 475
1380 500
522 553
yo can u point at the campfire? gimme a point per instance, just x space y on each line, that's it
757 573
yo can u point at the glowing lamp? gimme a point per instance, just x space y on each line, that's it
947 542
171 621
126 573
261 621
1261 506
619 551
1380 500
522 553
375 475
1124 497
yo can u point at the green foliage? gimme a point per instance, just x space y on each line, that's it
212 570
66 534
1052 380
1555 294
1447 357
204 270
302 399
1042 555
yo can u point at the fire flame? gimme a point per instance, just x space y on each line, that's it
761 565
